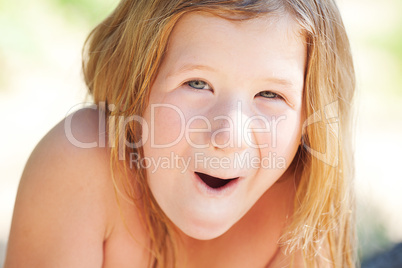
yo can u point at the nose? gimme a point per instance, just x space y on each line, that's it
228 126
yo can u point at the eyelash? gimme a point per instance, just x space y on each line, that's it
275 97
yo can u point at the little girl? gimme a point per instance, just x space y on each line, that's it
220 137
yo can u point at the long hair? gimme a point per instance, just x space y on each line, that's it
122 56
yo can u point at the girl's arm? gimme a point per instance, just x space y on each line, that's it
61 211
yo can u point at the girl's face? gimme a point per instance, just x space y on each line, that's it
224 118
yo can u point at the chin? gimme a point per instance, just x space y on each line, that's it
205 230
201 233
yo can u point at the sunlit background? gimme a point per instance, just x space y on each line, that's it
41 80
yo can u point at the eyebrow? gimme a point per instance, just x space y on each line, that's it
190 67
279 81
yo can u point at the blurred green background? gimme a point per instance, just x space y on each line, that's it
40 81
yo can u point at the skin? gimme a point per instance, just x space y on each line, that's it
66 212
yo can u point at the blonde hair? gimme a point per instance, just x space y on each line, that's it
122 56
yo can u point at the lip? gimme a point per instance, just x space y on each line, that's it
224 174
223 191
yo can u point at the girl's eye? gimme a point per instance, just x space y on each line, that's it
198 84
268 95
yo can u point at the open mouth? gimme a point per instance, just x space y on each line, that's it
214 182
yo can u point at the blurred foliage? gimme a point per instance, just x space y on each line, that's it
392 43
389 41
93 11
30 28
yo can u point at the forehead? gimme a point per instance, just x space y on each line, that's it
255 29
265 44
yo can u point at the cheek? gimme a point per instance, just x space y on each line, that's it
166 125
282 140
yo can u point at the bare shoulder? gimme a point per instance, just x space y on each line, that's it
62 210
